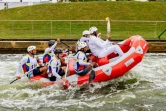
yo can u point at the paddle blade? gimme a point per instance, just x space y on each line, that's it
13 81
92 76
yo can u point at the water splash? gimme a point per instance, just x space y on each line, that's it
142 88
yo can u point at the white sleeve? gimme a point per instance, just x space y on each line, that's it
23 61
81 58
47 50
106 43
84 39
101 43
98 42
53 67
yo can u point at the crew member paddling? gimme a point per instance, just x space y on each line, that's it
81 64
56 72
29 64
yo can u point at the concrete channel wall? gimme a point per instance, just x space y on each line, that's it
18 47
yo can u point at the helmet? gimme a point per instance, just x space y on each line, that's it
85 32
92 29
30 48
51 42
58 51
81 45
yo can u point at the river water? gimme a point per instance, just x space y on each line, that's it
142 89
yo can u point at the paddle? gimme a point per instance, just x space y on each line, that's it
13 81
23 74
162 33
108 27
67 67
109 30
68 46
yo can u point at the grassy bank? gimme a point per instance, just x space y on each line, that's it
149 11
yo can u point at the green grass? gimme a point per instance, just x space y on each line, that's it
149 11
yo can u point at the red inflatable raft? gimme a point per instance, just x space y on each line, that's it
112 66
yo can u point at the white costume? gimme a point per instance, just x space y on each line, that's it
101 48
83 39
49 53
50 49
80 60
54 68
27 63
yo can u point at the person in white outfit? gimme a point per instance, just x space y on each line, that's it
101 48
29 65
55 70
84 38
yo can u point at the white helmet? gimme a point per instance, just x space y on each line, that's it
92 29
31 48
81 45
85 32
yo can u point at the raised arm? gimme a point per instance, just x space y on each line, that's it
51 48
84 39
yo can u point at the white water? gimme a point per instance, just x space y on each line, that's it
142 88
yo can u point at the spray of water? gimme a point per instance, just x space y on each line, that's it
141 88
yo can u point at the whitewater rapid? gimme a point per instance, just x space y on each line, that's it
142 88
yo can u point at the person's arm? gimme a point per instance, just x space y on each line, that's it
98 42
101 43
84 39
99 35
53 66
108 43
51 48
23 61
81 60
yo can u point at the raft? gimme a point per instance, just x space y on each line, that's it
46 82
111 66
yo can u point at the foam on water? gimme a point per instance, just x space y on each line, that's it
140 85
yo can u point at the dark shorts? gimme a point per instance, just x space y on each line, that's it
61 73
36 71
82 72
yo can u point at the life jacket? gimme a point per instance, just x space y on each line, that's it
80 67
57 66
27 65
47 57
